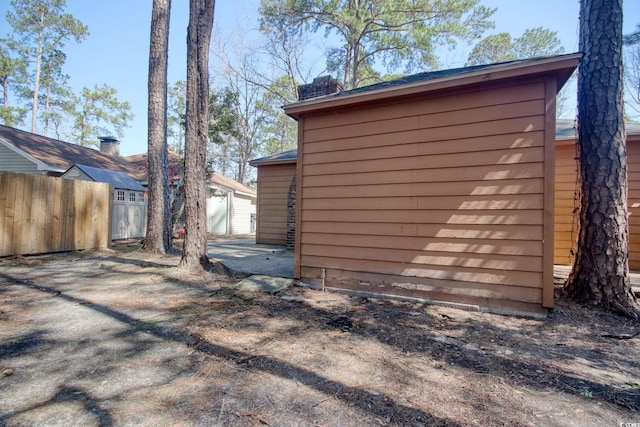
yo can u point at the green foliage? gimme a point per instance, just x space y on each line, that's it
12 73
223 108
236 122
394 33
100 113
223 129
633 38
501 47
40 30
56 96
176 109
279 131
41 26
12 116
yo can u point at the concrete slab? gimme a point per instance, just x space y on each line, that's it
258 283
245 258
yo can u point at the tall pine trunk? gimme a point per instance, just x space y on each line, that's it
600 273
158 236
194 253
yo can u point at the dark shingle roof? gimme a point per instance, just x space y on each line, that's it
568 129
438 74
281 157
59 155
137 166
119 180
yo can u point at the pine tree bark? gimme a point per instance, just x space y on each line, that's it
194 253
158 236
600 273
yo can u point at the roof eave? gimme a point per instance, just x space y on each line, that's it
273 162
563 66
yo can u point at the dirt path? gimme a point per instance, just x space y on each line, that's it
122 338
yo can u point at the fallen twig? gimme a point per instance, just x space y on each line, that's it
621 336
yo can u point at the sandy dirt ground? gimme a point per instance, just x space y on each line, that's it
125 338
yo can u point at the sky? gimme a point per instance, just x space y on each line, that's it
116 52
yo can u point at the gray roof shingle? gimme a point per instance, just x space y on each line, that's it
119 180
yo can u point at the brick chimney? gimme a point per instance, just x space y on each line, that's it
325 85
110 145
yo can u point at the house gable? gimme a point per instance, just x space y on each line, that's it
13 159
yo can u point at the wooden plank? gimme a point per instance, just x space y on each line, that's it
435 245
93 197
7 212
68 209
469 173
104 216
522 217
430 149
26 236
526 279
456 136
18 215
80 215
455 160
110 214
55 233
567 187
426 259
424 144
447 231
470 188
476 117
420 287
513 133
25 219
566 227
551 91
300 185
275 171
460 103
44 218
36 220
491 202
564 206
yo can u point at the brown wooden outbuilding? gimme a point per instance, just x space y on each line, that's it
566 197
437 186
275 177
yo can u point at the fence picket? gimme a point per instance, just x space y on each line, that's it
46 214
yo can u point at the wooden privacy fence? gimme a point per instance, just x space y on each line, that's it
40 214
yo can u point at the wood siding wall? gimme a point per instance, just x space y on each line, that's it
43 214
13 162
443 198
273 184
242 208
566 220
